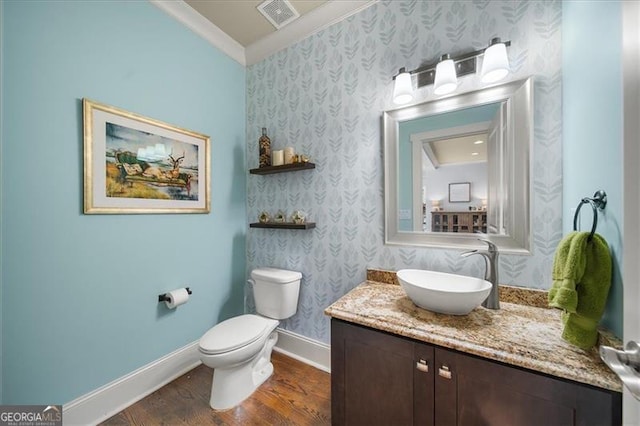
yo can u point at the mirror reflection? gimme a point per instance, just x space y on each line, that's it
444 170
457 168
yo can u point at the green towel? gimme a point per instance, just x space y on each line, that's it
581 281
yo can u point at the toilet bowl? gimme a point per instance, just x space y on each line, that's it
239 349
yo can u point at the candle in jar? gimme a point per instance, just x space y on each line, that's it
277 157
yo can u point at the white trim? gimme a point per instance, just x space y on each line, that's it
631 174
200 25
110 399
450 132
308 24
311 352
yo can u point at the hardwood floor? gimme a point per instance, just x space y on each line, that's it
296 394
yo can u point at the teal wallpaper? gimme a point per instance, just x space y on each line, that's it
324 96
79 292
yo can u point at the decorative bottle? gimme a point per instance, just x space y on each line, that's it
265 149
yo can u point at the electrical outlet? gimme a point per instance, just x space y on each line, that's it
404 214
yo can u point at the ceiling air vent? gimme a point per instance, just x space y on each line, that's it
278 12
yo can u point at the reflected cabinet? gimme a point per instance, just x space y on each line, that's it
469 222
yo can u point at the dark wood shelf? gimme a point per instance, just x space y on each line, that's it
281 169
284 225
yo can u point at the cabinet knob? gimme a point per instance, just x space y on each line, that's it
422 365
444 372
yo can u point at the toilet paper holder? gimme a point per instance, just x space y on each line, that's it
164 298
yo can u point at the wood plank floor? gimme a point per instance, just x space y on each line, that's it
296 394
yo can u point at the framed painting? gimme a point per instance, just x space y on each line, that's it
459 192
134 164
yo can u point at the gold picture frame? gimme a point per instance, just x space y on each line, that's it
137 165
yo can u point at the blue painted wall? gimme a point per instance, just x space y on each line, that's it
592 126
79 296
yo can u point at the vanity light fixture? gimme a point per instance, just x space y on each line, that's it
478 142
444 74
446 80
402 90
495 64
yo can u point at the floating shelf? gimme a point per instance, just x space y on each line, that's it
284 168
285 225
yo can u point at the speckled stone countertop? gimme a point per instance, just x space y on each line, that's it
517 334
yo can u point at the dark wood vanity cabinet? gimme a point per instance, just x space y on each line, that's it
374 379
381 379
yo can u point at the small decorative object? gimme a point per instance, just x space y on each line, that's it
435 205
264 144
288 155
136 164
298 217
280 217
304 158
278 158
264 217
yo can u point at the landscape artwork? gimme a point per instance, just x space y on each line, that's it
137 165
144 165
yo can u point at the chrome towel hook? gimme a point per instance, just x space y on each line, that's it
599 201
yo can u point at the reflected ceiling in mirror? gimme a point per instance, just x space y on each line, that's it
478 142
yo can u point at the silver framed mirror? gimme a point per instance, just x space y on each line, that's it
482 138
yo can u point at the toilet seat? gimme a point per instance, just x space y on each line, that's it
235 333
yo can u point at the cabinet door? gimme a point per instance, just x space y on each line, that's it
372 378
423 392
490 393
445 387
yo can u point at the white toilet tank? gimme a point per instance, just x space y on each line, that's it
276 292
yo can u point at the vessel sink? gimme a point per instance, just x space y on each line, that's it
443 293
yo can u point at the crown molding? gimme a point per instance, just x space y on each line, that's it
185 14
314 21
308 24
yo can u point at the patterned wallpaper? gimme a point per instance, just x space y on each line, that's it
324 96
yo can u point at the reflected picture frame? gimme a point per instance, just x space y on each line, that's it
460 192
138 165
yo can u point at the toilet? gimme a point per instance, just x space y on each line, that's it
239 349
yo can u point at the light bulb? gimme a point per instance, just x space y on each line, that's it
495 64
402 89
446 80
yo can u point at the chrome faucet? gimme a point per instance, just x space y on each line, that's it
491 272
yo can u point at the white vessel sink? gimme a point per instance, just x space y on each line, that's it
442 292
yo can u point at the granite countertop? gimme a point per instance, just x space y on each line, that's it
517 334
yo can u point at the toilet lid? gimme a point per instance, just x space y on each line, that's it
234 333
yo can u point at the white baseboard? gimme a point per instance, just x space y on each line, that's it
110 399
114 397
311 352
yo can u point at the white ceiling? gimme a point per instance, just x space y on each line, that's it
461 149
240 31
241 19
